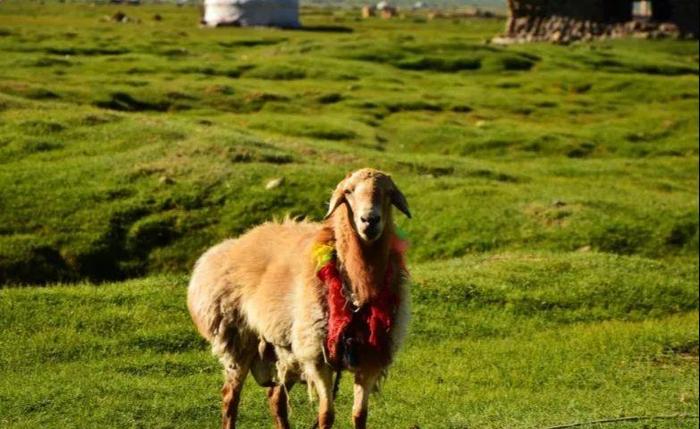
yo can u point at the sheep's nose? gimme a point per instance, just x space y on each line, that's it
370 220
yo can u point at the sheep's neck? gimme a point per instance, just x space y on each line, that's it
362 265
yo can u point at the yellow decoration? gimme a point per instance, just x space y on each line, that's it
322 254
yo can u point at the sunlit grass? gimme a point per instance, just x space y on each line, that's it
554 193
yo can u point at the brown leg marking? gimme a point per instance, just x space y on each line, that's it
231 396
364 383
321 378
360 419
277 399
229 408
326 419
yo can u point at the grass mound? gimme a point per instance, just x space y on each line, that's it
128 149
125 102
277 72
441 57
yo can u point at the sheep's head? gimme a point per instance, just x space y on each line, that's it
368 195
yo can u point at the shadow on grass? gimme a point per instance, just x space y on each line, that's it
324 29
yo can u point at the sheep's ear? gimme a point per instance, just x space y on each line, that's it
337 199
399 200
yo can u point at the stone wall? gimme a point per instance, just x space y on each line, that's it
564 21
584 10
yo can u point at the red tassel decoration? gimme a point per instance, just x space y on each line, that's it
338 315
373 323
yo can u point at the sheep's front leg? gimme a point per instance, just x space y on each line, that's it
321 376
364 383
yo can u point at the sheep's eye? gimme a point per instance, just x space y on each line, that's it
348 191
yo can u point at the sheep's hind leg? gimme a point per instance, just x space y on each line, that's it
277 398
231 393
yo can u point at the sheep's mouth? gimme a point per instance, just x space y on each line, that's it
371 233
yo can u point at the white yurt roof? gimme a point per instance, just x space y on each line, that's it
276 13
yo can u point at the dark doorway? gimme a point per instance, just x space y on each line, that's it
661 10
617 10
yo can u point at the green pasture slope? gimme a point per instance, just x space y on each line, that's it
554 192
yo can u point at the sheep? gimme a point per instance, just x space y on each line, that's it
268 304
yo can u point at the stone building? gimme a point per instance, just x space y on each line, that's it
567 20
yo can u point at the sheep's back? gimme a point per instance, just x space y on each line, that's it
251 280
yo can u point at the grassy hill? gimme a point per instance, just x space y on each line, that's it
554 193
128 148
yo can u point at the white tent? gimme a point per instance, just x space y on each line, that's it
275 13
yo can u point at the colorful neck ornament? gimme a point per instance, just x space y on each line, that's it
367 327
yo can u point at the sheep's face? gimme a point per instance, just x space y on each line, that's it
368 195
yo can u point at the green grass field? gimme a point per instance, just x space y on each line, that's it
554 192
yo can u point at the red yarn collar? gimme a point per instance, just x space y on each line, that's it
369 325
